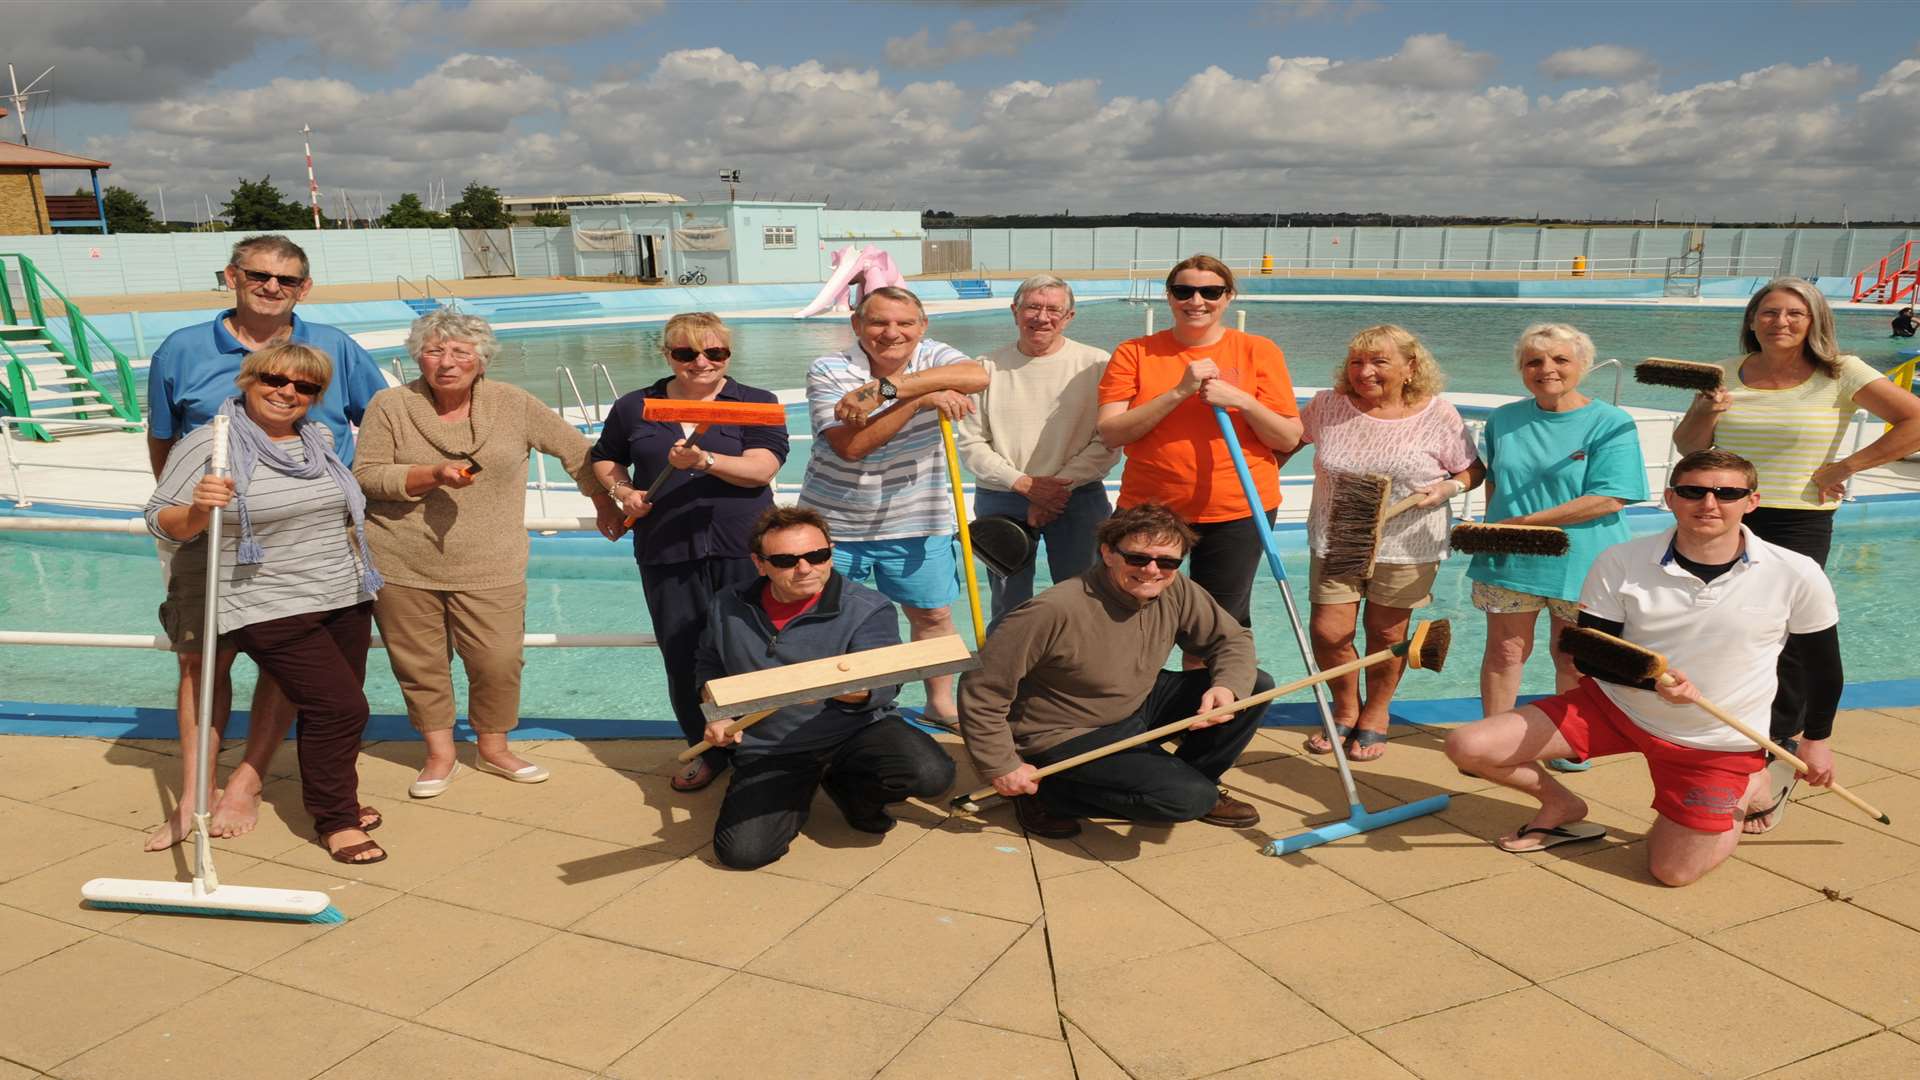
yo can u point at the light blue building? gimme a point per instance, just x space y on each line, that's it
746 242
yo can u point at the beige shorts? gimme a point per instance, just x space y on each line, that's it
183 612
1401 585
1496 600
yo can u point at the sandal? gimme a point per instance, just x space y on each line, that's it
696 775
370 812
1364 745
350 855
1317 742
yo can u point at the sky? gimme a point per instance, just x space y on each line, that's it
1722 111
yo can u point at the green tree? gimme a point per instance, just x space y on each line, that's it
257 204
407 213
479 208
551 219
128 213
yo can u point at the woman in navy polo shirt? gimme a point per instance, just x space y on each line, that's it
690 542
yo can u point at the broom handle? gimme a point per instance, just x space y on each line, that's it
1779 751
1404 505
966 534
666 473
737 726
203 875
1177 726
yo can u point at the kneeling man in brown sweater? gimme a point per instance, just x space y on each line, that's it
1079 667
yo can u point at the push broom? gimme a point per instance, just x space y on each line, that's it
1624 662
204 895
703 415
1682 374
1358 513
1425 649
1359 818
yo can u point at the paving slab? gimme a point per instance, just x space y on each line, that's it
1736 892
50 766
1482 1038
1414 857
830 851
1877 736
1495 812
949 1046
1404 969
1898 899
1822 851
55 891
545 877
1089 1061
1520 921
1016 993
1234 890
282 826
1058 858
1885 1056
1190 1013
413 1052
1349 1059
707 913
987 872
798 1033
248 1026
1851 957
421 844
38 837
1895 795
75 999
244 944
576 1000
26 937
1100 919
1643 995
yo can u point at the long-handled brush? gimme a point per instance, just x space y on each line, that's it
1425 648
966 534
204 895
1475 538
703 415
1684 374
1357 512
1624 662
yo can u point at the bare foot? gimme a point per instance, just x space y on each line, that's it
178 827
235 812
1556 810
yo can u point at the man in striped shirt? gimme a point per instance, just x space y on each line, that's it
878 473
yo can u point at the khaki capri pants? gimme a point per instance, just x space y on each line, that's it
425 628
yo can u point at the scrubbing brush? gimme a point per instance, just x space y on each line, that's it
1620 661
1475 538
1357 513
1684 374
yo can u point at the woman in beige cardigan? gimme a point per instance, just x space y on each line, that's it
443 461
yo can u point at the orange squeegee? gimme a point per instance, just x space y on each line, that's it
705 414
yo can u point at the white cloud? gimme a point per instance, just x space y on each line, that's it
523 23
964 42
1597 62
1425 61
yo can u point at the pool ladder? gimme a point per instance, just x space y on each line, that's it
565 385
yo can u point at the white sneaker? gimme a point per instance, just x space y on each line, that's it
427 789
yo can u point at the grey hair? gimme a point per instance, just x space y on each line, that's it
449 325
1820 348
1042 281
1554 332
270 244
890 292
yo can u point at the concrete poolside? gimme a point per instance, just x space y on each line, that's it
579 928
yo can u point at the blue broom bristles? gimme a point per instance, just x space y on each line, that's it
328 916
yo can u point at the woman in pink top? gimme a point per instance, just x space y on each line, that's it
1384 415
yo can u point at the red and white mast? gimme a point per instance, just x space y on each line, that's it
313 186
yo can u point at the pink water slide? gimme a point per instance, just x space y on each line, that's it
870 266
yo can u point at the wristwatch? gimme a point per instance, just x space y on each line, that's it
888 392
707 463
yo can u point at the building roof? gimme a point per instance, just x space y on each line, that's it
614 197
16 156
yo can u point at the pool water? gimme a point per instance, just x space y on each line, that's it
106 584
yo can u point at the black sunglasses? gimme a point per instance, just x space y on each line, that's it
719 354
274 380
1696 492
1136 559
818 557
1207 292
261 277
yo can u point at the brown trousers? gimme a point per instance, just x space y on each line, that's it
320 660
425 628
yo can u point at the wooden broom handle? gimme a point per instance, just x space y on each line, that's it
1778 751
1403 506
737 726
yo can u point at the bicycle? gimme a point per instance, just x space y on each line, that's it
695 276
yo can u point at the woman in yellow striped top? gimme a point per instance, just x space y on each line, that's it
1786 407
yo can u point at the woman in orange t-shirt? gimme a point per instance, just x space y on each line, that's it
1156 401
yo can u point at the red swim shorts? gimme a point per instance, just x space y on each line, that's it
1700 789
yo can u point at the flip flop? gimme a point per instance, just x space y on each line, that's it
1323 747
1777 811
1572 832
1365 739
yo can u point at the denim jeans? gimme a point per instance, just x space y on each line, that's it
1068 539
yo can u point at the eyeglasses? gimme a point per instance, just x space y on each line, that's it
785 561
261 277
719 354
1042 311
1139 560
1696 492
1777 315
1207 292
441 352
274 381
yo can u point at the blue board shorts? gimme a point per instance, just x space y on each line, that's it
917 571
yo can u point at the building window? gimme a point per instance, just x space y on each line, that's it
778 236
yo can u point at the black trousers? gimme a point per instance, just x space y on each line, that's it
770 795
678 595
1146 783
1809 532
1226 560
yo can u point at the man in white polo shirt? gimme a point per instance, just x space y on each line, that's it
1719 604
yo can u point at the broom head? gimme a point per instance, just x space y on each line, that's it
1614 659
188 898
1426 648
1685 374
1473 538
744 413
1356 513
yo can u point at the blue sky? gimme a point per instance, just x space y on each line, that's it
1752 109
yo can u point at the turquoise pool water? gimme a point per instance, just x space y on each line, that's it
112 585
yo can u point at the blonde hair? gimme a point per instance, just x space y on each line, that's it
290 358
689 327
1424 377
1580 344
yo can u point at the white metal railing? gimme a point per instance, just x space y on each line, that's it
1145 276
8 423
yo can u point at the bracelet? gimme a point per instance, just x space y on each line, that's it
613 489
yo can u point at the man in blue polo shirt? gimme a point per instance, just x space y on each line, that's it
192 372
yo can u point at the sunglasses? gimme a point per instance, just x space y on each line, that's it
275 381
1207 292
818 557
719 354
1696 492
261 277
1137 560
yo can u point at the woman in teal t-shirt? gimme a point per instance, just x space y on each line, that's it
1560 459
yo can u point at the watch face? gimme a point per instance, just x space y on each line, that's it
887 391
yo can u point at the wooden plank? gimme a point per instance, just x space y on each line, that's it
813 680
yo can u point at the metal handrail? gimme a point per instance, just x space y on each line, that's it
78 327
1143 274
594 377
401 279
13 463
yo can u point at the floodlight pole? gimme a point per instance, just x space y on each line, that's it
313 187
